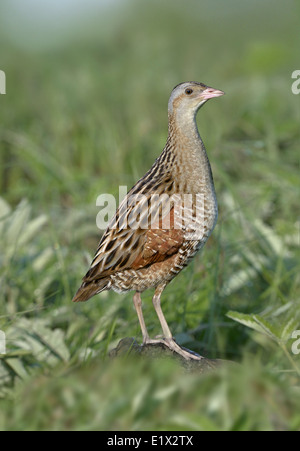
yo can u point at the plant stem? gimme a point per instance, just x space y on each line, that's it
288 355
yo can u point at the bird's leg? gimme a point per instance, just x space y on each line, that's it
138 306
164 325
168 339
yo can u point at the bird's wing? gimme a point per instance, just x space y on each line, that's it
141 233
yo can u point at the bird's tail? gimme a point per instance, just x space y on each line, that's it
90 288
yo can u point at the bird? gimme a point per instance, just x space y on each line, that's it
163 221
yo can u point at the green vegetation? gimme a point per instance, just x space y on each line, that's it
88 114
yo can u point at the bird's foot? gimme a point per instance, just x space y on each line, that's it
173 346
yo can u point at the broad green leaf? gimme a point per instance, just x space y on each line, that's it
257 323
4 212
16 224
240 278
271 237
35 336
16 365
5 376
31 229
42 259
14 354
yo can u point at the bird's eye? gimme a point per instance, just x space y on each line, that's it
188 91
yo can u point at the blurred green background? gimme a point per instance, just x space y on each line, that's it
85 111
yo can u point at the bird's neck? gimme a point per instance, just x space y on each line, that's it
183 125
190 157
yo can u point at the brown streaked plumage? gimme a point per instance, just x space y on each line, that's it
150 240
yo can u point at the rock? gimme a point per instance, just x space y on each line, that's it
129 346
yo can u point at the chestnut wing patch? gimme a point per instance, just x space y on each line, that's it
160 243
159 246
129 248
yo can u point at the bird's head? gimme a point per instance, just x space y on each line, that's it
186 98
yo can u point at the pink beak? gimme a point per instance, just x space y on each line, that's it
209 93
